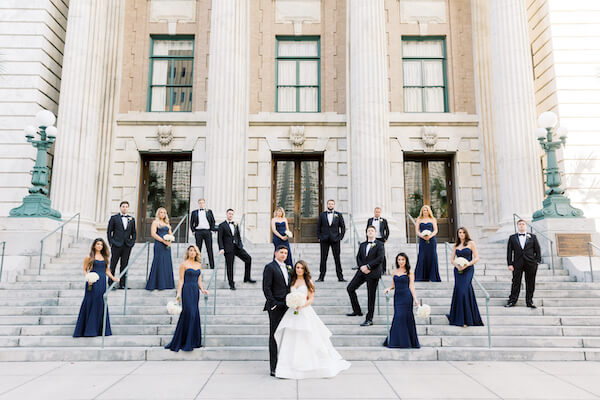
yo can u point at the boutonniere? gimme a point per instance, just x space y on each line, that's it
528 236
129 218
334 215
373 245
289 269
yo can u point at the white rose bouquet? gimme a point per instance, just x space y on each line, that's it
426 232
423 311
461 261
174 307
169 238
289 234
91 278
295 300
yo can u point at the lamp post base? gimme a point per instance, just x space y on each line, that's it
557 206
34 206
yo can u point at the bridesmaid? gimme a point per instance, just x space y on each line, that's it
403 333
279 224
161 273
188 334
427 260
464 311
89 322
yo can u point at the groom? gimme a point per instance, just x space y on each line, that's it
276 285
523 255
121 238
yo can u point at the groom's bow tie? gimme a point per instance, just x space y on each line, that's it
521 234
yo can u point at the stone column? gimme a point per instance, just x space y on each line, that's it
368 122
518 170
227 112
87 102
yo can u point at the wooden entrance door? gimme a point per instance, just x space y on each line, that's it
297 187
165 183
429 180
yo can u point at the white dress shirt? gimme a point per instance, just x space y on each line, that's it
377 225
522 240
232 227
330 217
368 248
284 271
124 220
202 221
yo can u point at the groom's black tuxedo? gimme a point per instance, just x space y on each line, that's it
121 240
275 289
330 236
373 260
523 259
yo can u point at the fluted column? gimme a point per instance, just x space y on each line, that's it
227 119
87 102
517 155
369 126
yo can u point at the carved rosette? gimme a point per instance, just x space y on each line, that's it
429 136
164 135
297 136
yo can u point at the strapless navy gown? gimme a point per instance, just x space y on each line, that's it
464 310
188 334
403 333
89 322
161 274
280 227
427 261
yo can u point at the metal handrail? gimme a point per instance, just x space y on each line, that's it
387 316
178 231
61 228
409 220
532 228
487 310
2 259
590 245
213 278
446 245
111 287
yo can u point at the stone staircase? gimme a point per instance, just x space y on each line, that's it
38 314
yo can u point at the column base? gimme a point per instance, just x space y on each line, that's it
35 206
557 206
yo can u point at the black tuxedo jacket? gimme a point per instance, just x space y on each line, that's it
372 260
335 232
518 256
383 226
274 286
227 241
117 235
209 216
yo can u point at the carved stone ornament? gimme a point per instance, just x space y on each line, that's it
429 136
297 135
164 134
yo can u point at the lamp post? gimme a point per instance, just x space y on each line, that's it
556 204
37 203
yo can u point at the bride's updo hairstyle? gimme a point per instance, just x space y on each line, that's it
307 279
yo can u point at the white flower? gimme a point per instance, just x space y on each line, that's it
426 232
295 300
461 261
174 307
423 311
92 277
169 238
289 234
528 236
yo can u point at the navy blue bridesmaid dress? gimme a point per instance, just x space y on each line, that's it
280 227
188 333
427 260
464 310
161 274
403 333
89 322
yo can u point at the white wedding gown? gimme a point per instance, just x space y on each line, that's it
304 349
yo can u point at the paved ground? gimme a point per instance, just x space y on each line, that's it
248 380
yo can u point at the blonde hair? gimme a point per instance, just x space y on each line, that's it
426 207
282 212
157 218
198 257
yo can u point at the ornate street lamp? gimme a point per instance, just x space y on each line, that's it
37 203
556 204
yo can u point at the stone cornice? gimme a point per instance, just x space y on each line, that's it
433 119
162 118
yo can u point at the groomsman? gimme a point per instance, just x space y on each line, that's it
383 231
523 255
330 231
368 259
202 223
230 244
121 238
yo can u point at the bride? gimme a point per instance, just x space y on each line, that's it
304 347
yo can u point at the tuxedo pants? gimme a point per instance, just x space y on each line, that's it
335 247
119 253
275 317
242 255
355 283
205 235
530 271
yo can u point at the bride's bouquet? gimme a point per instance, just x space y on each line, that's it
462 262
174 307
289 234
169 238
295 300
426 232
91 278
423 311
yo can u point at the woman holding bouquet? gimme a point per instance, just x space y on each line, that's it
403 333
161 273
89 322
464 310
427 259
280 229
303 342
188 334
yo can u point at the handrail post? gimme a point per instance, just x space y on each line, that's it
61 239
447 269
487 313
105 297
590 258
41 256
147 261
387 316
552 256
78 222
377 288
2 260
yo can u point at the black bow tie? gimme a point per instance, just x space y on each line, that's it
370 242
329 212
521 234
232 223
201 209
124 215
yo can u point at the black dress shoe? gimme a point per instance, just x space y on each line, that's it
353 314
342 280
367 323
531 305
509 304
249 281
319 280
232 287
272 373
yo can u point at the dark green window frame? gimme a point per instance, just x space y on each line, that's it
297 59
169 86
423 59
